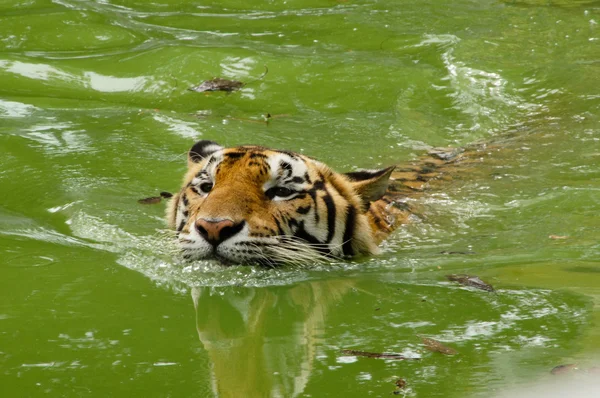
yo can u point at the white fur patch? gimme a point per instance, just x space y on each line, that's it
283 178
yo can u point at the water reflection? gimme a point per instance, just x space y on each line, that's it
281 341
262 342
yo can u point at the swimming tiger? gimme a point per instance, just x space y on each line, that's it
256 205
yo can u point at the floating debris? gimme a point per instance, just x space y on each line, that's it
264 119
563 369
558 237
220 84
455 252
470 280
155 199
150 201
400 385
384 355
436 346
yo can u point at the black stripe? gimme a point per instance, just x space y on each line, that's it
292 223
279 229
184 200
319 184
303 210
255 155
313 196
362 175
349 232
289 153
235 155
307 177
302 234
285 166
181 225
330 215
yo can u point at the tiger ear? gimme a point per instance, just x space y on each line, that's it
201 150
370 185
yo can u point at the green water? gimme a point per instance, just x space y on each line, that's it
94 115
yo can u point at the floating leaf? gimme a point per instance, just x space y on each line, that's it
470 280
218 84
150 201
384 355
436 346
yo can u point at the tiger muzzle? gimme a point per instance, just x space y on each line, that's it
216 231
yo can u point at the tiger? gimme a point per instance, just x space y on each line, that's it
257 205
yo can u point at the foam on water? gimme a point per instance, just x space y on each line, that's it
158 258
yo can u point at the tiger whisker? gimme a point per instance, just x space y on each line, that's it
295 239
289 254
293 250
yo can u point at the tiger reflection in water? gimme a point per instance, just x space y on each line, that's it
263 342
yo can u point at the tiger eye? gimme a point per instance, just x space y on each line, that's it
206 187
281 192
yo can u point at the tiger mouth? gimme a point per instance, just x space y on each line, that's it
229 261
272 253
227 253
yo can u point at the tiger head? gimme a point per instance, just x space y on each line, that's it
251 204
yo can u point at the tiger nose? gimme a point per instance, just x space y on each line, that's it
216 231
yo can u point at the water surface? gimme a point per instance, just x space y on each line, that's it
95 114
